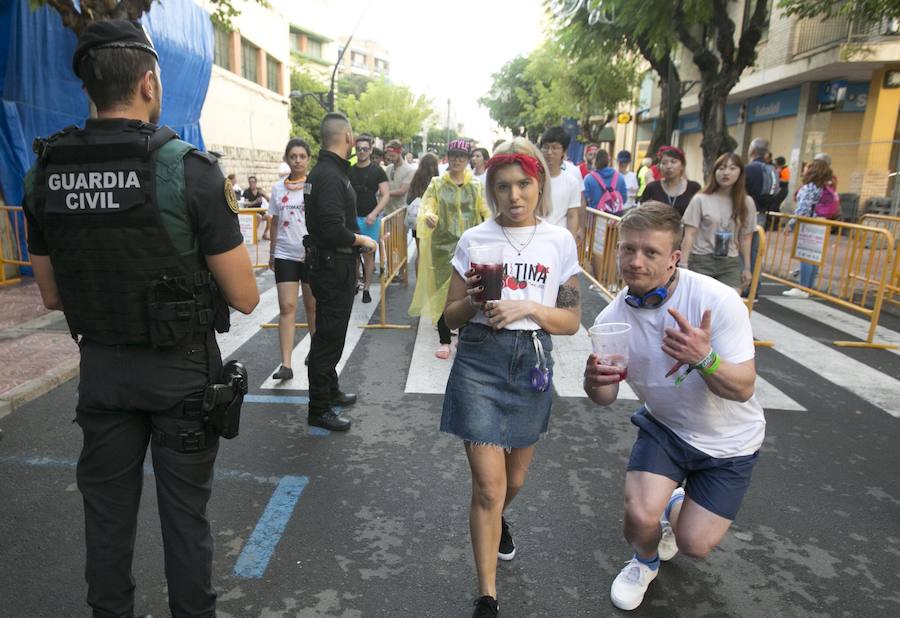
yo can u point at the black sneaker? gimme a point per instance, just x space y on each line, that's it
283 373
367 298
507 549
486 607
329 420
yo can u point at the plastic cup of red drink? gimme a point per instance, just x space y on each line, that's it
610 342
487 261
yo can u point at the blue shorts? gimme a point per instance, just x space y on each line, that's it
716 484
369 230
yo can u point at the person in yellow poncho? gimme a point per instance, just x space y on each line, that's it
452 203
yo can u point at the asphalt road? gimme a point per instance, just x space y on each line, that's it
380 524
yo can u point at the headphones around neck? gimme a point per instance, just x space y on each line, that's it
652 299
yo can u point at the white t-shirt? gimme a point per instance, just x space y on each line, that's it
631 183
565 194
573 170
483 180
549 260
288 207
716 426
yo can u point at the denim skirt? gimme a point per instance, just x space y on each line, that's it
489 398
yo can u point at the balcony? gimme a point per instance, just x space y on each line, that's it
815 35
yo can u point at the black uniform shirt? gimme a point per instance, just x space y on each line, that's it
365 181
216 224
331 203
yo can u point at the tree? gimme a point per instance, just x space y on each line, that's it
387 111
508 98
881 9
306 114
636 28
99 10
437 139
353 85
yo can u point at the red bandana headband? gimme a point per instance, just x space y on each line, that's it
394 149
673 151
531 166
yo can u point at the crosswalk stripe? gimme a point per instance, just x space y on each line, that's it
569 355
361 314
427 373
243 327
837 319
866 383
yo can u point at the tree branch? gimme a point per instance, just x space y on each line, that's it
705 60
751 36
71 18
724 31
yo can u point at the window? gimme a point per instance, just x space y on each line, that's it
296 38
249 52
358 60
222 49
273 70
381 65
313 47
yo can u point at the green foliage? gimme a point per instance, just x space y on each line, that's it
386 110
883 9
353 85
306 113
437 139
506 101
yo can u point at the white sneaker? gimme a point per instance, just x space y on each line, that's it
667 546
795 293
630 584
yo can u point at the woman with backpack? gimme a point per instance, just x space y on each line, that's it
815 198
719 224
674 188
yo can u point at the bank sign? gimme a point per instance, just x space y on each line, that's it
776 105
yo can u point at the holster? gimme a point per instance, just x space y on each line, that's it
222 402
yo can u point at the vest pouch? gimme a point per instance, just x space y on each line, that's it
171 311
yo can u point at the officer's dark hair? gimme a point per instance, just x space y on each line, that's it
296 142
365 137
111 75
333 126
556 135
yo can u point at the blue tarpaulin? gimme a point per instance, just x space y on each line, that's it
40 95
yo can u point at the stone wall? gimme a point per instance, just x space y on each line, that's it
249 162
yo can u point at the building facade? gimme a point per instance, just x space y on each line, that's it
817 86
365 58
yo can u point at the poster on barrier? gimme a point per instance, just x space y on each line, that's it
599 235
810 246
246 223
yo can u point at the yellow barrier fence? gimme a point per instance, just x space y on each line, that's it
855 264
394 261
598 251
892 225
13 234
249 222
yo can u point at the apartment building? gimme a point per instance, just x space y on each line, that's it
365 58
817 86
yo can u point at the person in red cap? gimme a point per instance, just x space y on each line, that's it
399 174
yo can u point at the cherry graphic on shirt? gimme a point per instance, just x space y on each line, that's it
542 269
523 285
286 223
284 200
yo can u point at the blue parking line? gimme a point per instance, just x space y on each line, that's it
257 552
276 399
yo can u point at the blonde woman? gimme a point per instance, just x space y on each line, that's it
499 391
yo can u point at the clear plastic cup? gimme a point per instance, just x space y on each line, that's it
487 261
610 342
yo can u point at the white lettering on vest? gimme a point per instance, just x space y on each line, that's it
132 181
92 201
71 198
53 182
94 180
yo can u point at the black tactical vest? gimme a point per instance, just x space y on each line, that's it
120 278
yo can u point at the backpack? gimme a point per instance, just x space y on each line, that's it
611 200
769 180
829 204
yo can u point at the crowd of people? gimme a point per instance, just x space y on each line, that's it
153 374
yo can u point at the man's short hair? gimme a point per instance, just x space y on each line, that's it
394 144
601 159
377 152
484 153
654 216
556 135
111 75
249 178
334 124
364 137
758 147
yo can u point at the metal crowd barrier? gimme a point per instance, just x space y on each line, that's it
249 222
856 264
13 237
393 259
892 225
598 251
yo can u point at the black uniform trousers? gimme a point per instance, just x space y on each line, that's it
333 280
124 394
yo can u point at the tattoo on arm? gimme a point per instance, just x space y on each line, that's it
568 297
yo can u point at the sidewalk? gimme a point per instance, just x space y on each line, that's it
36 351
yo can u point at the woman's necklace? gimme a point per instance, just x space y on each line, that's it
513 242
674 198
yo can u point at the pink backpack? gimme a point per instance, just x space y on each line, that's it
829 205
611 200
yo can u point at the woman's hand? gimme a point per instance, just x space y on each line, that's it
370 220
502 313
431 220
272 263
473 288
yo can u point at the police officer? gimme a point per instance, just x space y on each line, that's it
333 246
133 234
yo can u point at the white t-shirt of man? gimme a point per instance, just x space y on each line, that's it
565 194
482 178
288 207
631 183
535 273
573 170
709 423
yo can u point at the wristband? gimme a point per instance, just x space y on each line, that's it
705 362
713 366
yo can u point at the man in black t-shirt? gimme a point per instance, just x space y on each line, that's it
255 198
372 195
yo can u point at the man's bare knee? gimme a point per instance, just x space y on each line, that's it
694 545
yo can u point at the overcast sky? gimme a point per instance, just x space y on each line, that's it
449 49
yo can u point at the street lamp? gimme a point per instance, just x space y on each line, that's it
322 98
